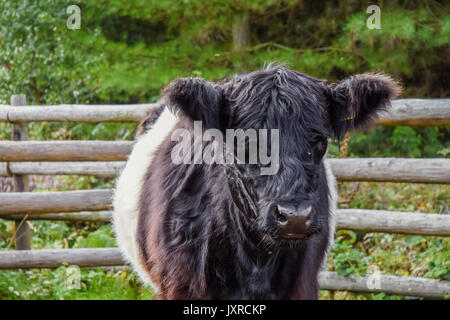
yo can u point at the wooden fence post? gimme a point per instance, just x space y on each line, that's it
241 31
20 182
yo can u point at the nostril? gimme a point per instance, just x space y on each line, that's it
281 218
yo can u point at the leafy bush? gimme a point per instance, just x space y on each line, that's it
102 237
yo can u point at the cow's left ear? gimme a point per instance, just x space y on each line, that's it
354 102
195 98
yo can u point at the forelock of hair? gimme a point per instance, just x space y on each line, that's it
271 95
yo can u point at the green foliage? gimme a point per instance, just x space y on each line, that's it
102 237
431 142
125 52
6 231
395 196
403 137
34 40
346 259
49 234
439 263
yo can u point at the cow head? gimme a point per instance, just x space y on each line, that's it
282 209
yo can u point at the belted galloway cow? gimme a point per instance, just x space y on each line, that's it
199 219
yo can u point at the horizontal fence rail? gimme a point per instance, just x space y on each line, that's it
64 150
417 112
93 216
392 170
91 168
405 286
356 169
394 222
407 112
76 113
54 258
58 201
395 285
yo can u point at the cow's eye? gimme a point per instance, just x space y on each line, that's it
319 149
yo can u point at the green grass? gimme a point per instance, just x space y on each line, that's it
94 284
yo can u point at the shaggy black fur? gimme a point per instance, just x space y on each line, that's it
199 237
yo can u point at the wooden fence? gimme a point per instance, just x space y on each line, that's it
19 158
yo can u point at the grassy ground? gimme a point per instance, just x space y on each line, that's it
354 252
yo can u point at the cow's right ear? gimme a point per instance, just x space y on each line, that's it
195 98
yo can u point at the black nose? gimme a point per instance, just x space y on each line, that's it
294 221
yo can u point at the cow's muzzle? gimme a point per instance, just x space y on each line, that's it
294 221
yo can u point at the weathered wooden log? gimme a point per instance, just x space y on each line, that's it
392 170
77 113
357 169
395 285
427 224
90 168
412 223
61 201
407 112
94 216
408 286
53 258
65 150
417 112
